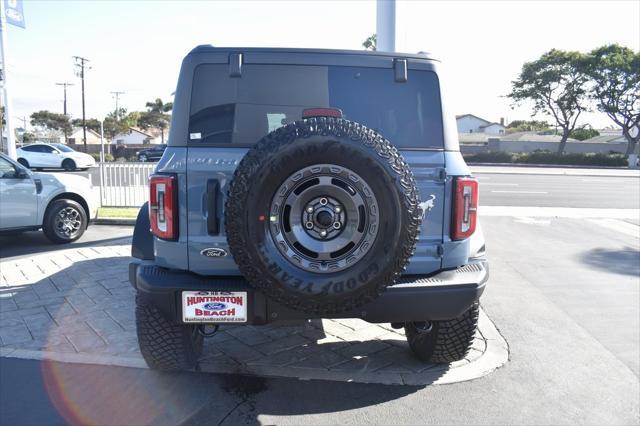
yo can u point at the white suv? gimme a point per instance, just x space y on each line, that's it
61 204
56 155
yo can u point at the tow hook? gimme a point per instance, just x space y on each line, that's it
202 329
423 327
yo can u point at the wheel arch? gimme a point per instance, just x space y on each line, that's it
142 242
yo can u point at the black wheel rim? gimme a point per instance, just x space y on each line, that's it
324 218
68 223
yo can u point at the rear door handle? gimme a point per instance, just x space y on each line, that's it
213 189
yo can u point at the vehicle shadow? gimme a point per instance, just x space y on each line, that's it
86 310
624 262
35 242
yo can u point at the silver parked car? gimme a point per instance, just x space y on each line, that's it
60 204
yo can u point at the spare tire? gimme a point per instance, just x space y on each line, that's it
322 215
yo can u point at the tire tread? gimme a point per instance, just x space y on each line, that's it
401 177
164 345
449 341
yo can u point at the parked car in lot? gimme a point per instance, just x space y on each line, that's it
306 184
53 156
151 154
60 204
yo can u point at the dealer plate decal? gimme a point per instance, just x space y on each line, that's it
214 306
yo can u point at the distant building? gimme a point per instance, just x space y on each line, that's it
76 137
134 136
469 123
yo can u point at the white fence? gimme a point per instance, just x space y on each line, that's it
124 184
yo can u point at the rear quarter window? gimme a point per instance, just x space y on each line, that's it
240 111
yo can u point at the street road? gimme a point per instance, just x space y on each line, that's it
564 293
559 191
545 190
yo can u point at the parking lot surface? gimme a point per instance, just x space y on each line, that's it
564 294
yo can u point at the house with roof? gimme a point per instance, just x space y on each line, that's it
134 136
76 137
469 123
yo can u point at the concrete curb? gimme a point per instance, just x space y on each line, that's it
114 221
549 166
559 212
495 356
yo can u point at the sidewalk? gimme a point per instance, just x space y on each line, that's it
77 306
527 169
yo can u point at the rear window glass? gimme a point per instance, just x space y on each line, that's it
241 111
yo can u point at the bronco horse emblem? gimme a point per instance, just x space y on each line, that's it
426 206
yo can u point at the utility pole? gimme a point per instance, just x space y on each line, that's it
386 25
80 66
65 84
117 96
6 99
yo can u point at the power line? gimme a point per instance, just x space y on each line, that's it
80 67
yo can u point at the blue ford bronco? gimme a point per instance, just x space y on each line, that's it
306 184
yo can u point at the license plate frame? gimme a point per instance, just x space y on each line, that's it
217 307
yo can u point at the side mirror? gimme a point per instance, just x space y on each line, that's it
22 173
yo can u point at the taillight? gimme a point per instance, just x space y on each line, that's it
163 206
465 208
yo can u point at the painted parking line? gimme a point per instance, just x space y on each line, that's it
519 192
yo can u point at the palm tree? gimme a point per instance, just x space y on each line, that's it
157 115
159 107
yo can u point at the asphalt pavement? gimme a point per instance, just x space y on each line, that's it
25 244
564 293
497 189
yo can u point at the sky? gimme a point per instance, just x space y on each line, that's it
136 47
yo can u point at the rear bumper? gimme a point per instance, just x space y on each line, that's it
443 296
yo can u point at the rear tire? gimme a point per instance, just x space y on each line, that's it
165 345
143 158
69 165
23 162
443 342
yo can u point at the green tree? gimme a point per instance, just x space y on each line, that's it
556 85
370 43
92 124
48 120
159 106
528 126
112 126
28 137
156 116
614 71
584 133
